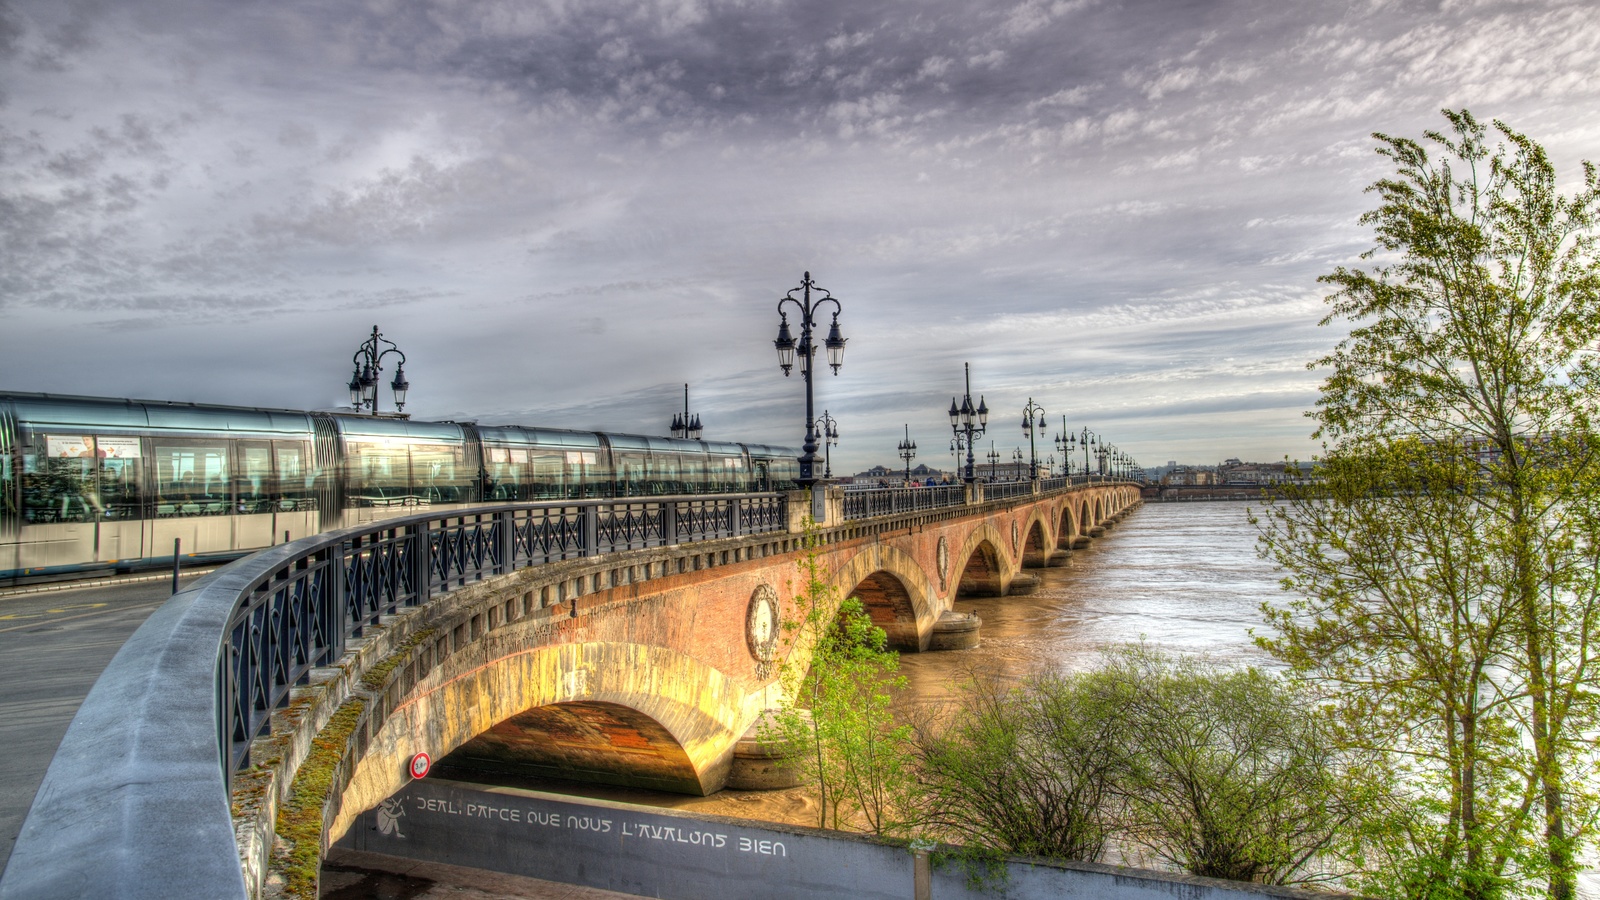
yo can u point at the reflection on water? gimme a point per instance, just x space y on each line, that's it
1183 577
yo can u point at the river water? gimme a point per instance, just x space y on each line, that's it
1181 577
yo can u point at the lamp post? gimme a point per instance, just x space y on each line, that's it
1016 463
969 421
994 460
683 426
368 361
1050 465
1086 440
908 452
1032 421
830 439
787 348
1063 443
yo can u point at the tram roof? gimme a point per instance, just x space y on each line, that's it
70 412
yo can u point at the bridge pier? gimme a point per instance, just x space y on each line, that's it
761 760
955 631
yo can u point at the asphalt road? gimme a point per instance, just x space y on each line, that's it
53 645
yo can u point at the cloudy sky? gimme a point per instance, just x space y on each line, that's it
562 210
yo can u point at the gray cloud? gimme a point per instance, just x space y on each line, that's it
565 210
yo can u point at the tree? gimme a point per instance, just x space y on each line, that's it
1445 570
1225 772
1220 772
837 676
1030 769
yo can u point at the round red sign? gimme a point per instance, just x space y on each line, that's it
419 765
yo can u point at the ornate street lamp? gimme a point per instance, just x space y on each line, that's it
908 452
1016 463
684 426
368 361
1032 421
994 461
958 445
1086 440
830 439
787 348
967 421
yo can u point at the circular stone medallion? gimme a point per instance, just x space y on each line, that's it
761 627
944 563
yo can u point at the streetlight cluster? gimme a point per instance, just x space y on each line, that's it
968 422
1108 461
808 309
368 361
685 426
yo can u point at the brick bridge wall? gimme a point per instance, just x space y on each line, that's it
632 668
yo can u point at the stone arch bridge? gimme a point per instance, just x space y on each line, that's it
645 664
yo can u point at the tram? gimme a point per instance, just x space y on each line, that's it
97 484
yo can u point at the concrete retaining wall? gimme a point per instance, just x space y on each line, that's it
682 856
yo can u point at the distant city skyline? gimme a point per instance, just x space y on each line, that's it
562 212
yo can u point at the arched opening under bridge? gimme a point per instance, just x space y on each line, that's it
590 741
889 604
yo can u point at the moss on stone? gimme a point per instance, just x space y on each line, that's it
376 676
299 822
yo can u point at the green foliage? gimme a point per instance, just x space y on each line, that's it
1027 771
1225 773
837 676
1446 573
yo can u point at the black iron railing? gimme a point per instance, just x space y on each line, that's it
888 501
300 612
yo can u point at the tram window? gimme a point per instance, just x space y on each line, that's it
191 477
378 473
631 475
255 488
437 474
295 479
581 477
664 474
727 474
693 473
546 475
58 480
508 473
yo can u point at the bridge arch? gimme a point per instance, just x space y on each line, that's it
982 567
1067 524
1036 545
896 591
676 704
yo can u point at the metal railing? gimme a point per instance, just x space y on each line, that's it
1046 485
888 501
182 716
1005 490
